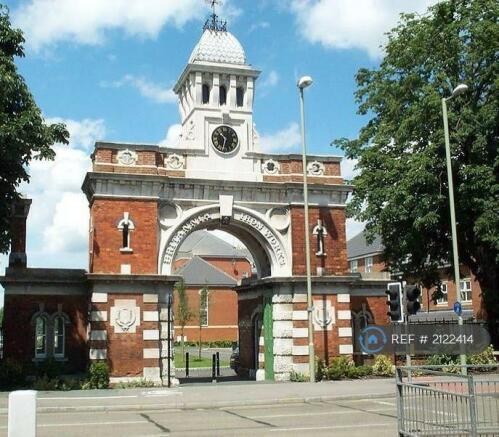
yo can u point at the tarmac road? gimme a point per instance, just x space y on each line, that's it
342 418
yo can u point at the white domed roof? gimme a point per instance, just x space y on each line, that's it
218 46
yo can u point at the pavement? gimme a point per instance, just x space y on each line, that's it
208 396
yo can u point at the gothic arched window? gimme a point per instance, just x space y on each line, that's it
206 93
223 95
239 96
40 336
59 336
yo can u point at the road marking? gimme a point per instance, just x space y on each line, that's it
322 413
392 404
61 425
312 428
86 397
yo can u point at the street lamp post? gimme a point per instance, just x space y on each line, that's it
460 89
303 83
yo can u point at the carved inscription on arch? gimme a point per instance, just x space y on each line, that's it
179 236
249 220
266 232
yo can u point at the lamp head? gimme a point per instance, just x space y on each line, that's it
304 82
460 89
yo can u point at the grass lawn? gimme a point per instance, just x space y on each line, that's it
194 361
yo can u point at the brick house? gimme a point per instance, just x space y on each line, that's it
205 260
146 200
367 260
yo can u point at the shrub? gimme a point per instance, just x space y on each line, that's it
45 383
12 374
321 370
98 376
298 377
382 366
136 384
49 368
354 372
338 368
483 358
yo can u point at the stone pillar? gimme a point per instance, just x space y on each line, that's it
164 319
282 313
300 334
344 325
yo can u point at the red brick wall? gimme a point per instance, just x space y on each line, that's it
376 305
19 333
106 238
335 263
125 350
222 315
446 277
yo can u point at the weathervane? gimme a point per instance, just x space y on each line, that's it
213 23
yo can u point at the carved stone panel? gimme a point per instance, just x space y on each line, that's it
125 316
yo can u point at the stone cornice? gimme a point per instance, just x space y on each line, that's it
195 190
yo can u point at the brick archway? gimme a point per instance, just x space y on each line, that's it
267 247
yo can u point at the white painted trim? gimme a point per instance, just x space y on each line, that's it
300 332
345 332
150 334
98 316
98 335
150 316
209 327
300 350
344 315
300 315
150 298
346 349
343 298
98 354
151 352
99 297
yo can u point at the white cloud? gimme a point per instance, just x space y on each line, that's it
347 24
348 170
259 25
172 138
146 88
47 22
353 227
83 133
272 79
283 140
58 219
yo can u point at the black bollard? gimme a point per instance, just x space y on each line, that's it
187 364
218 364
213 368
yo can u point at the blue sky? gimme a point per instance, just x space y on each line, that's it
106 68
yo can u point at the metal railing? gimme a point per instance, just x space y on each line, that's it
432 402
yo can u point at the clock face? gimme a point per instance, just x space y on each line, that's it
224 139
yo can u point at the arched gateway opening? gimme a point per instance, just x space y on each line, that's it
253 229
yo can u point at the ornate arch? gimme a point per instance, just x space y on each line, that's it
263 241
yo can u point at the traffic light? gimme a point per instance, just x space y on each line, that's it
394 302
412 293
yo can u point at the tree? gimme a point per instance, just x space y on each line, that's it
401 191
183 312
202 313
23 133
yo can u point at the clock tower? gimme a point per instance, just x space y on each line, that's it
216 93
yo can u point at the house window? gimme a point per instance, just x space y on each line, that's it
206 93
465 288
354 266
239 96
59 336
223 95
369 264
40 337
444 299
203 307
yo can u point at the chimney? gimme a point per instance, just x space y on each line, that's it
20 210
